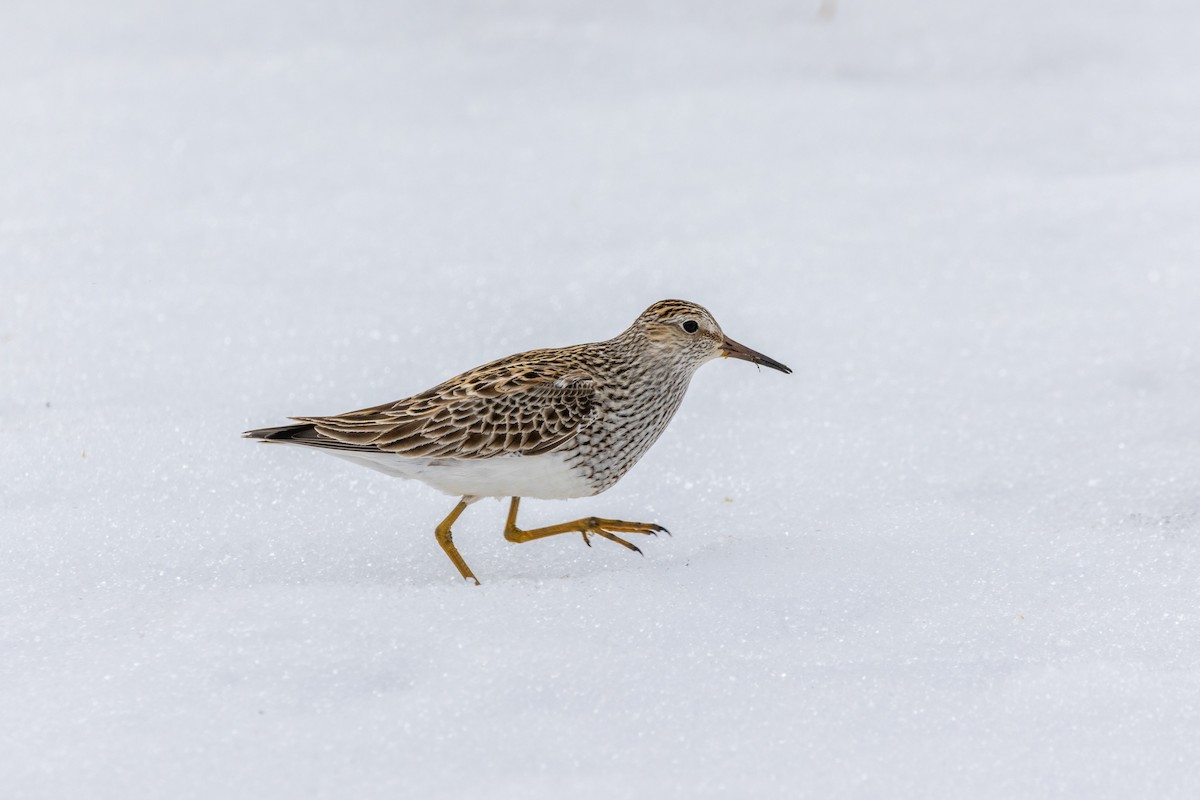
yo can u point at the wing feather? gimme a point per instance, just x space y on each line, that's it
510 407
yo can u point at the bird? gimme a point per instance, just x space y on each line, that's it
556 423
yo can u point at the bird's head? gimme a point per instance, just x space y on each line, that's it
686 332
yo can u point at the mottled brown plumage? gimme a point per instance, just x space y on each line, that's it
554 423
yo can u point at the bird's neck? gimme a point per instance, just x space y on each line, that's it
644 361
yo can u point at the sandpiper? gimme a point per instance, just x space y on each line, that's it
551 424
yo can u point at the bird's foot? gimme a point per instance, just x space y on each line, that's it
587 528
608 528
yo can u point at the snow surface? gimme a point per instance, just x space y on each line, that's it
955 555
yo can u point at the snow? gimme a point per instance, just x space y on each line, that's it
954 555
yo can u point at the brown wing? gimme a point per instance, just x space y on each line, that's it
517 406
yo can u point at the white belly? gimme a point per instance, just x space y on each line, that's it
545 477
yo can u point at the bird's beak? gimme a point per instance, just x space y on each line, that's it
731 349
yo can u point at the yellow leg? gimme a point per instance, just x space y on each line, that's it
604 528
446 540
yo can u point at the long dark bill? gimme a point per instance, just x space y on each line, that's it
731 349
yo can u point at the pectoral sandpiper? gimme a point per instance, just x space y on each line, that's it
552 424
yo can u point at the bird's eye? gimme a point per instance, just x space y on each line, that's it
691 326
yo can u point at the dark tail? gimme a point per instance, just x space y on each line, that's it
285 433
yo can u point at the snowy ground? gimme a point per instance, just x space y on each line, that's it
954 555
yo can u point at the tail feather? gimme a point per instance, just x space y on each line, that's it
305 433
284 433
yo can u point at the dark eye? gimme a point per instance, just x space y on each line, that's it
691 326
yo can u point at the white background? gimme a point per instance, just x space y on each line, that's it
954 555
